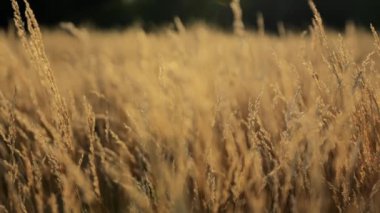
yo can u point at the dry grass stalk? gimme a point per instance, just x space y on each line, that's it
377 39
238 24
36 51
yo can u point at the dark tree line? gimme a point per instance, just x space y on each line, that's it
150 13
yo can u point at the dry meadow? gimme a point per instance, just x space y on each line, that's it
188 119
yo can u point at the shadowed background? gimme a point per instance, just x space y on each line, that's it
152 13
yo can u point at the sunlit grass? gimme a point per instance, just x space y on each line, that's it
193 120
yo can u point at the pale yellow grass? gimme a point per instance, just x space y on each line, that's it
190 121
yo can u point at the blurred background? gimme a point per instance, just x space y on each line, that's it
151 14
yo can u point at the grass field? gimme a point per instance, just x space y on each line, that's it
188 120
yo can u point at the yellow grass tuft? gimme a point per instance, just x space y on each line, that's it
195 120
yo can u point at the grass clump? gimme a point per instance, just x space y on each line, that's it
189 121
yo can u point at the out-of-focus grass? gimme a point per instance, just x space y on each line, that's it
190 121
